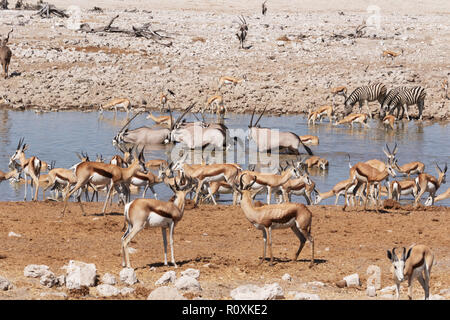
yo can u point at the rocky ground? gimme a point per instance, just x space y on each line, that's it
298 52
222 246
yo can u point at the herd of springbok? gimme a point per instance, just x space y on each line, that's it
205 182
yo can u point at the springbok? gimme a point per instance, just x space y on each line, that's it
102 173
415 167
338 190
31 167
402 188
427 183
316 161
12 174
277 216
326 111
313 116
442 196
390 54
353 118
214 102
161 120
362 173
141 213
117 103
389 120
5 54
341 91
267 139
269 180
302 186
205 173
229 80
414 264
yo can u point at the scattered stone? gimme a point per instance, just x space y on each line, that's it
371 291
168 277
107 290
187 283
445 292
109 279
126 291
5 284
61 280
252 292
128 276
387 296
306 296
341 284
436 297
48 279
80 274
315 284
13 234
193 273
352 280
286 277
388 289
165 293
35 270
61 295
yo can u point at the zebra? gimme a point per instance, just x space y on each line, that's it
407 97
388 99
364 95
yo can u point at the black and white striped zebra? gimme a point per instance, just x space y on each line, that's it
407 97
364 95
387 100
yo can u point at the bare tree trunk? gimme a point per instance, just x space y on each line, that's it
4 4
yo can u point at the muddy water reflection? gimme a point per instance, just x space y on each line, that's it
57 136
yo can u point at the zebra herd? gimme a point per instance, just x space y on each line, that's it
399 99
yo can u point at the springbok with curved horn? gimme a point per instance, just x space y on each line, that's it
414 264
267 139
100 173
154 213
277 216
427 183
31 167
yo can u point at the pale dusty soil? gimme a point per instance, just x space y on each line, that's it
345 243
55 68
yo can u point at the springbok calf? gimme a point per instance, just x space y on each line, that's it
442 196
427 183
5 54
310 140
277 216
353 118
141 213
414 264
229 80
31 167
100 173
267 139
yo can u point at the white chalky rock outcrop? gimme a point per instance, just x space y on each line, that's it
128 276
80 274
165 293
35 270
166 278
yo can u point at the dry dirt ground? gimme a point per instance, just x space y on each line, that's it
221 243
299 51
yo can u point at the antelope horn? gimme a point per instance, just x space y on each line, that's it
182 115
389 150
251 119
128 122
395 149
437 166
260 116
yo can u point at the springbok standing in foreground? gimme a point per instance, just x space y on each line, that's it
102 173
141 213
414 264
427 183
277 216
31 167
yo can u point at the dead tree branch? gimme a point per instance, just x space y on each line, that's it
48 9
